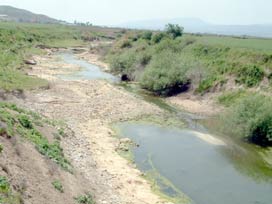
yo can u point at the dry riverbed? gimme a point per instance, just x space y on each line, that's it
89 108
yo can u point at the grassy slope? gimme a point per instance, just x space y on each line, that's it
19 41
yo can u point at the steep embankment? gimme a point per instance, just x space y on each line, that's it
33 166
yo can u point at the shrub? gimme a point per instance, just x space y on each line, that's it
147 35
165 74
1 148
229 98
173 30
157 38
85 199
58 186
4 185
61 132
262 133
206 84
250 75
6 194
251 118
270 78
125 44
25 121
189 41
3 131
168 44
123 63
144 58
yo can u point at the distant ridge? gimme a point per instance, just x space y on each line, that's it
9 13
195 25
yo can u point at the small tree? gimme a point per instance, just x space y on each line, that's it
156 38
147 35
174 30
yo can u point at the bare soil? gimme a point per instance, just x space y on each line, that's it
200 105
31 174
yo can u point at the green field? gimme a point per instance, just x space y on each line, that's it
248 43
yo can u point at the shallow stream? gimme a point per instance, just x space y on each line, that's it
183 161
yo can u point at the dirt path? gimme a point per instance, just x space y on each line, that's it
89 108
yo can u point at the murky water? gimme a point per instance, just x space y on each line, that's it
182 162
89 71
201 170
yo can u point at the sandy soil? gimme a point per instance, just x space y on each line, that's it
89 108
195 104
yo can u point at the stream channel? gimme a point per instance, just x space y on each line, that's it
188 164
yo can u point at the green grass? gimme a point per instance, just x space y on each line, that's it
18 41
249 118
235 42
85 199
232 97
21 122
17 80
7 196
58 186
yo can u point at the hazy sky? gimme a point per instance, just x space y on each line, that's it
113 12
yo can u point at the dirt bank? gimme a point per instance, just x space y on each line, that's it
89 108
205 106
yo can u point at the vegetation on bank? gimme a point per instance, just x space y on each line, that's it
58 186
19 41
250 117
166 63
85 199
7 196
18 121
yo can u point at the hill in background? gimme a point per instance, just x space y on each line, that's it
9 13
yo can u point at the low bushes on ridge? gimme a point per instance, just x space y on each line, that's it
166 74
135 54
251 118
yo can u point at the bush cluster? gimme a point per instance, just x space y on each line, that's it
85 199
251 118
210 68
7 196
58 186
166 74
250 75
